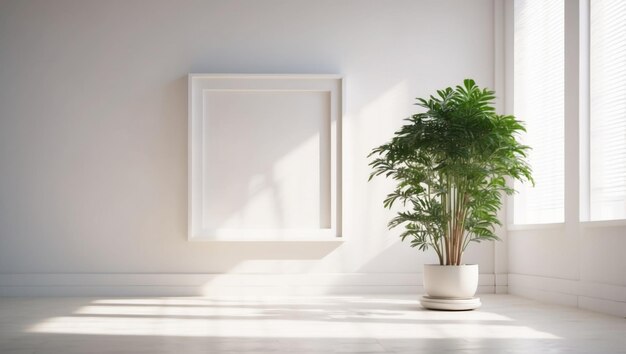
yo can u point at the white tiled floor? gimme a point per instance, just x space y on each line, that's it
330 324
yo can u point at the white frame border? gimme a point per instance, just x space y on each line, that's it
197 83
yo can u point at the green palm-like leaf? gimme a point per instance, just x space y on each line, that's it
450 165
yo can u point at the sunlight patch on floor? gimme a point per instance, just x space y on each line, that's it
327 317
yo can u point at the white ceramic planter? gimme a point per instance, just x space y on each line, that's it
451 282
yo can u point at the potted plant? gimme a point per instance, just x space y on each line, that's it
451 164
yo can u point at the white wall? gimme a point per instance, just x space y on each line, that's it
93 135
586 269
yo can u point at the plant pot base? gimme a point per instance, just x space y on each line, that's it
437 303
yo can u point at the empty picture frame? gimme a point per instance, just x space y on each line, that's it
264 157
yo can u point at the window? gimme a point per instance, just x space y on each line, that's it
539 102
607 150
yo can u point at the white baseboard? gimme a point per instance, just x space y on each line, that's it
502 283
604 298
86 284
609 299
